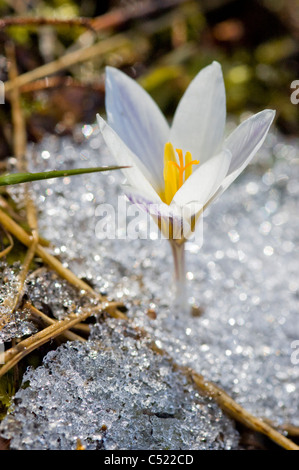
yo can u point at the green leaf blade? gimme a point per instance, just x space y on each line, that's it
18 178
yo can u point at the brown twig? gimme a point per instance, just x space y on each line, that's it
20 219
112 19
120 16
226 403
22 349
19 145
72 58
290 429
237 412
6 206
68 335
12 356
38 21
6 250
19 127
229 406
17 231
82 328
53 82
287 428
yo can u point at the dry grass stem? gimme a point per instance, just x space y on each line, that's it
68 335
82 328
121 15
55 328
237 412
19 126
35 21
19 145
17 231
12 356
9 247
72 58
57 81
229 406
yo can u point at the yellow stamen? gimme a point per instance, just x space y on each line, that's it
188 165
170 177
181 167
174 172
169 155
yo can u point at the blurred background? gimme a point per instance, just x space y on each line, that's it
163 44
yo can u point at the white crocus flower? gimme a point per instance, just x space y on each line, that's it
177 171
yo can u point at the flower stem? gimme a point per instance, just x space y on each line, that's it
178 251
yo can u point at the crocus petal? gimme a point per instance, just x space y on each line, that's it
199 121
243 151
137 175
245 141
152 205
142 198
169 219
205 181
138 121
